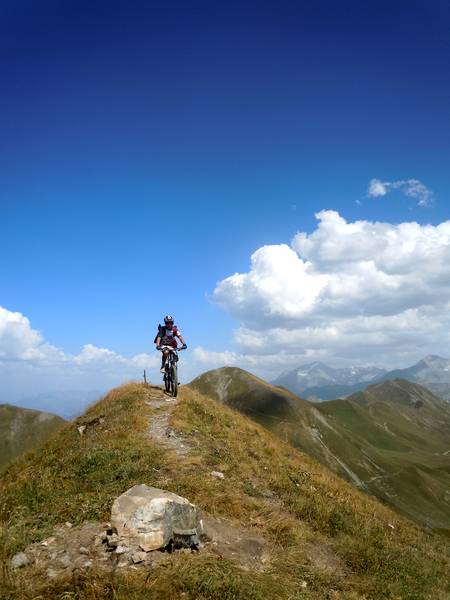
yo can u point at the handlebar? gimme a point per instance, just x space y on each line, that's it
171 348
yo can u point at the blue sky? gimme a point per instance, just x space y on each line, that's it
147 151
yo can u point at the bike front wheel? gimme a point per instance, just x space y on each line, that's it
167 382
174 380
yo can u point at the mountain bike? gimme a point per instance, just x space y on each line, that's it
171 370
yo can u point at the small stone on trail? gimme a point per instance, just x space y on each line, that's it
19 560
217 474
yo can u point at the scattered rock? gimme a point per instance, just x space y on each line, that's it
150 518
112 540
121 550
65 560
19 560
48 541
217 474
86 427
83 550
68 524
138 556
185 538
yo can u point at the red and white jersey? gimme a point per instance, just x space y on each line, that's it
169 336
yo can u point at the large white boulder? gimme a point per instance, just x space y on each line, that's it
150 518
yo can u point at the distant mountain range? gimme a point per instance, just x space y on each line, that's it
22 429
391 439
432 372
319 382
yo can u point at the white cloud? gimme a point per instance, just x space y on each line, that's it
37 374
360 291
413 188
376 188
29 365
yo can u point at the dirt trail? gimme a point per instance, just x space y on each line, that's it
159 429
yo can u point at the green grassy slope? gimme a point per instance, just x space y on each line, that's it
390 440
22 429
405 430
302 510
293 419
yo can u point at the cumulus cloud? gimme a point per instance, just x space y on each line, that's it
413 188
31 365
37 374
359 290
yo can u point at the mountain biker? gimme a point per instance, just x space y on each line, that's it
166 336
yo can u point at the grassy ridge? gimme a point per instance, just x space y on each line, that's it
296 505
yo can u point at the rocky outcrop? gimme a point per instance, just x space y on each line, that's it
147 525
150 519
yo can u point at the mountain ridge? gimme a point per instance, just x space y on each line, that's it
354 437
432 371
321 536
317 374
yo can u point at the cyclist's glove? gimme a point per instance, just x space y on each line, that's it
158 347
184 346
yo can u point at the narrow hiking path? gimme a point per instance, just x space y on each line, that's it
159 427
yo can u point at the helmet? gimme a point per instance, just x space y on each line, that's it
168 319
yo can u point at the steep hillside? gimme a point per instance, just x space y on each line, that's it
22 429
391 440
321 537
404 430
250 394
285 414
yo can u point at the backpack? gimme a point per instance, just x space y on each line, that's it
162 332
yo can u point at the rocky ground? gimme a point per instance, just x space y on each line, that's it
79 548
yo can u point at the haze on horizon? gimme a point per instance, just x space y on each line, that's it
275 177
